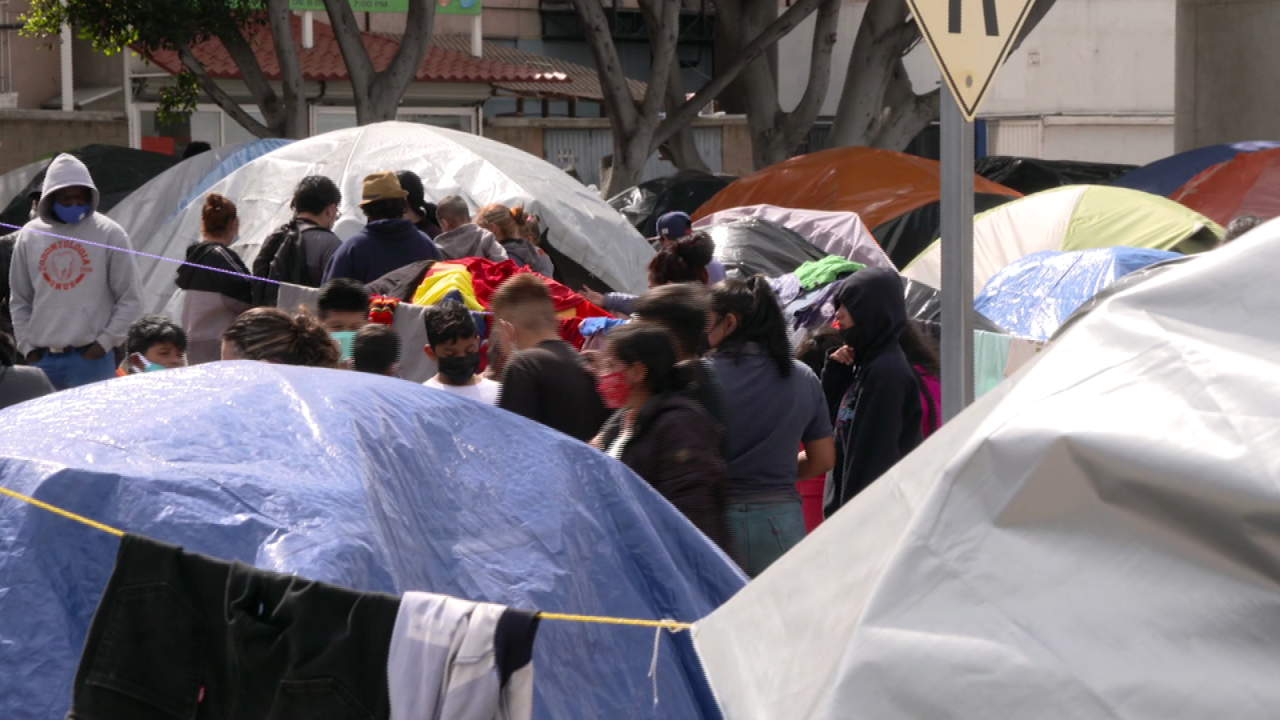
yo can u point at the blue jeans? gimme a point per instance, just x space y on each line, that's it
70 369
760 533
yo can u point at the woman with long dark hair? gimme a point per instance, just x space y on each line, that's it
773 404
660 432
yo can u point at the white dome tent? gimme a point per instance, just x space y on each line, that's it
1094 539
482 171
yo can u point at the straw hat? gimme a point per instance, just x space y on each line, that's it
381 186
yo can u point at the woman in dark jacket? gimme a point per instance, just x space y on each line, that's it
661 433
214 299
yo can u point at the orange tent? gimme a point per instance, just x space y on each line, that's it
881 186
1248 184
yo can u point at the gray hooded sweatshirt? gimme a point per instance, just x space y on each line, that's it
468 241
65 293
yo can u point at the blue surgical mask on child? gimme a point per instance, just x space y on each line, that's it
152 367
345 339
70 214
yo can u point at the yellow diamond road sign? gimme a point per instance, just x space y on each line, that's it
970 39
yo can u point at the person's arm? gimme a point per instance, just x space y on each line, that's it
122 278
619 302
817 458
837 376
21 295
519 392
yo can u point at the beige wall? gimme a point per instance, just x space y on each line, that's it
27 135
35 72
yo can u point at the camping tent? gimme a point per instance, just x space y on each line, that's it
1033 296
1077 217
1247 184
582 228
1033 175
362 481
1094 539
14 184
145 212
751 246
683 191
1163 177
116 171
895 194
835 233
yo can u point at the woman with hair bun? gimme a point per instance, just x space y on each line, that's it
683 260
214 299
508 225
274 336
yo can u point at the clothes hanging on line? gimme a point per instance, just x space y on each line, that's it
178 634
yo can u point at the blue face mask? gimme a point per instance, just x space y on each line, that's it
70 214
152 367
345 339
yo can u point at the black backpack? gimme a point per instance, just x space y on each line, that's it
283 258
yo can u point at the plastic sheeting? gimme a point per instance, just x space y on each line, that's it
149 209
1033 297
1248 184
116 172
752 246
834 233
1033 175
1125 283
1163 177
924 304
1078 217
1094 539
684 191
878 185
580 225
13 185
359 480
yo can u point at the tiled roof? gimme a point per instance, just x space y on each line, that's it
584 82
324 61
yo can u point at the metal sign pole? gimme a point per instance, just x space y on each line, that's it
957 259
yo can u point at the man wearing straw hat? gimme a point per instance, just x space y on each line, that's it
388 242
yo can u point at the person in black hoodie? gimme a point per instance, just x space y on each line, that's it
421 213
214 299
870 387
388 242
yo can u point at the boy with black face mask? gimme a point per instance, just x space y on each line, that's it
454 343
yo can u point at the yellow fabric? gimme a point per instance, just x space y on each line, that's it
446 278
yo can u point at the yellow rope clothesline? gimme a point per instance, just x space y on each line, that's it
660 624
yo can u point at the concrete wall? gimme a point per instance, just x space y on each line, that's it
27 135
1227 60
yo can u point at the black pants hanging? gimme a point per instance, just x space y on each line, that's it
179 635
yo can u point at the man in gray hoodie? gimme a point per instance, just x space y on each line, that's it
73 292
461 237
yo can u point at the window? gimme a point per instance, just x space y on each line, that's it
454 119
173 138
233 133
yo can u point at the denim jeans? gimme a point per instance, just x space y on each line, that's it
760 533
179 635
70 370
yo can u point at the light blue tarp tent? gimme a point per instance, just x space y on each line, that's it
1033 296
363 481
243 155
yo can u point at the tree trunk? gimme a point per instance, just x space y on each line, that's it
377 94
682 148
268 102
294 106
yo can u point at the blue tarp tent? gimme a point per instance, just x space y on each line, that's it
363 481
1164 177
1032 297
246 153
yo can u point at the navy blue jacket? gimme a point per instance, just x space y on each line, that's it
381 247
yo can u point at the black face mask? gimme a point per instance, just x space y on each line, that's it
850 337
459 370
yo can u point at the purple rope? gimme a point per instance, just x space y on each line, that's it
131 251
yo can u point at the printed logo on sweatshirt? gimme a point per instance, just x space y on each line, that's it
64 264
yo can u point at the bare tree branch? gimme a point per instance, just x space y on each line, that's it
907 120
254 78
295 107
801 118
683 148
762 42
351 42
413 46
220 96
663 24
618 103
